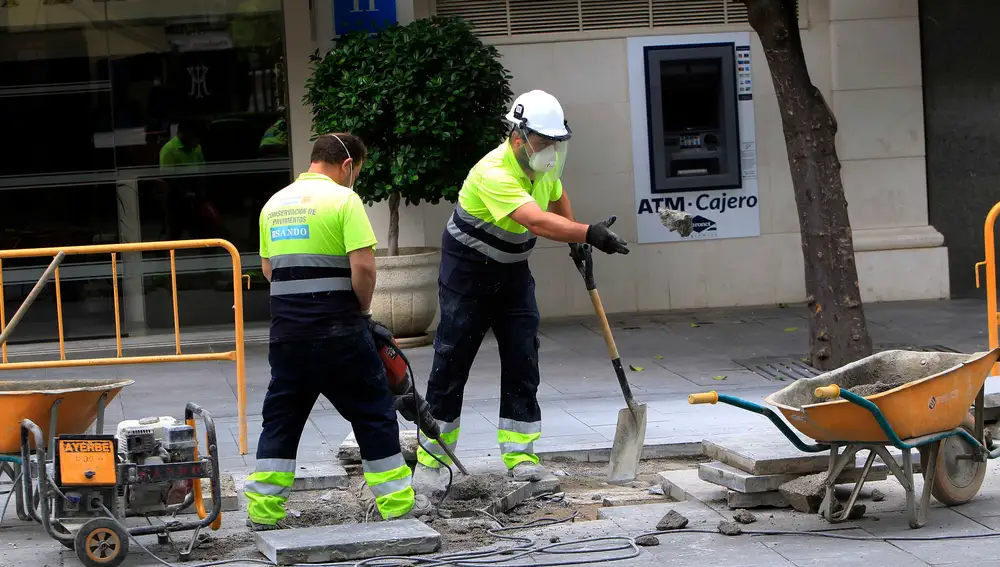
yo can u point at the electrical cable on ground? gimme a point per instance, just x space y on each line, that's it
527 548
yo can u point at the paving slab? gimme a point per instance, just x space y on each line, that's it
350 451
685 485
692 549
765 457
632 499
643 518
347 542
747 483
601 452
772 499
230 498
320 476
940 521
805 550
14 555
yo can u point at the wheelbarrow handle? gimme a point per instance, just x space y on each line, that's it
714 397
828 392
704 398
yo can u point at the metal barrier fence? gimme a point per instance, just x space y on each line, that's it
992 317
236 355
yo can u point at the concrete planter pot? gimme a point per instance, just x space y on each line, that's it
406 292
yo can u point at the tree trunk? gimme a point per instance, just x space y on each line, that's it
837 327
394 224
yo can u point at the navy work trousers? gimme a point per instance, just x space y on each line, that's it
349 373
512 313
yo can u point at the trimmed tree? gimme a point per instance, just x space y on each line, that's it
838 331
427 98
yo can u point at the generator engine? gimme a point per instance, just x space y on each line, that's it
154 441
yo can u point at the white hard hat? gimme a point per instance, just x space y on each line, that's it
541 113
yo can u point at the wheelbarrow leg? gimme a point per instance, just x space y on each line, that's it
837 466
920 518
22 513
911 499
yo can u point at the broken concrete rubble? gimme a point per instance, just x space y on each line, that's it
744 517
805 494
349 450
729 528
673 520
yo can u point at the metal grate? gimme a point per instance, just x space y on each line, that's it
879 347
797 367
779 367
526 17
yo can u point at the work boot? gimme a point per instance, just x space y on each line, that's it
430 481
421 507
527 471
255 527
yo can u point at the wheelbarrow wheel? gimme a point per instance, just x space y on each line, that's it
956 481
101 542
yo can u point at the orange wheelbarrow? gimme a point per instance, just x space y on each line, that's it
918 400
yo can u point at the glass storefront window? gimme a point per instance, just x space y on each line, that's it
139 120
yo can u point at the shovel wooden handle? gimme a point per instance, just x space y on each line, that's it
609 340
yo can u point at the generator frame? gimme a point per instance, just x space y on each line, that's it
106 519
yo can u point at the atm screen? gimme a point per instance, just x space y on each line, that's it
692 93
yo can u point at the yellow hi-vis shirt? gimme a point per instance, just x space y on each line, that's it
307 230
481 225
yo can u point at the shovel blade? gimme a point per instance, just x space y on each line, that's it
626 452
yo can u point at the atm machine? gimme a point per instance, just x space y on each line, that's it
694 125
693 134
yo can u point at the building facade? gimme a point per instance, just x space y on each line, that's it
95 92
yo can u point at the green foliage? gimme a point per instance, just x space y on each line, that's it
427 98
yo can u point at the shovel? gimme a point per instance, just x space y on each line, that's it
630 434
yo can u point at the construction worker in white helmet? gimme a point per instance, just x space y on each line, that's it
513 195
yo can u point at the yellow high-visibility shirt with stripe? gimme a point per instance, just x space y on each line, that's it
307 231
481 243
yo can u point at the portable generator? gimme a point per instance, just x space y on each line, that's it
149 468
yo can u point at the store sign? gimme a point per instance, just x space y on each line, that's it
730 210
362 15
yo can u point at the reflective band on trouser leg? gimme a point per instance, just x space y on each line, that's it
517 441
268 488
389 481
449 434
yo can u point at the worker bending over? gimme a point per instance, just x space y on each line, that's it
485 282
317 250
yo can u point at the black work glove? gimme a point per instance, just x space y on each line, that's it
600 236
405 406
380 333
579 252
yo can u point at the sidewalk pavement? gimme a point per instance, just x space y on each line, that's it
679 353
